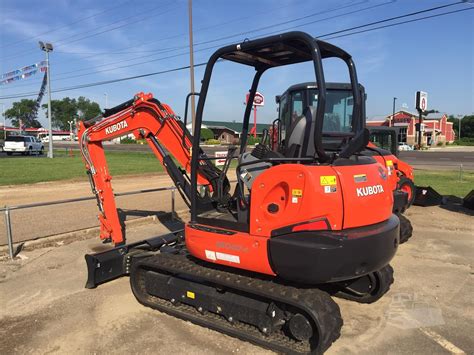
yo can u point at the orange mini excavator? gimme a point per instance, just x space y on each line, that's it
259 263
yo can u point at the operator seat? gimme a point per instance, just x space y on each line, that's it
300 138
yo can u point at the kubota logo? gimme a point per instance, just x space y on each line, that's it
116 127
369 190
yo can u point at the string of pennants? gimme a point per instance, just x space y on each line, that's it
34 112
23 73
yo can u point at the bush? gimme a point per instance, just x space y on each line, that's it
464 141
251 140
213 142
439 144
127 140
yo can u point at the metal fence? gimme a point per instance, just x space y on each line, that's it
7 209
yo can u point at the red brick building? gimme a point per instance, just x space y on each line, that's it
435 128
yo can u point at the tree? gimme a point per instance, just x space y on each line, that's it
68 109
467 126
87 109
206 134
23 110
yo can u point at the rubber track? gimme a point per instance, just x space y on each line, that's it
386 277
406 229
314 302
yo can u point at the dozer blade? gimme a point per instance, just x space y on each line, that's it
241 304
114 263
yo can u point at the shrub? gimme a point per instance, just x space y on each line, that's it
251 140
127 140
213 142
439 144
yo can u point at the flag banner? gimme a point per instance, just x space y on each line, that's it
22 73
34 112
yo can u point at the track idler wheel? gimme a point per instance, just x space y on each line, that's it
368 288
300 327
406 229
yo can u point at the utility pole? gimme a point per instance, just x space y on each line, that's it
393 114
191 62
4 122
48 47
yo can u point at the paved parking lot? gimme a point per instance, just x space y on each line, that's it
429 309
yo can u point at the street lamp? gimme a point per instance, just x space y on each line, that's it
4 122
393 111
48 47
459 118
71 135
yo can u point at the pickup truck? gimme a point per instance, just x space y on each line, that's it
25 145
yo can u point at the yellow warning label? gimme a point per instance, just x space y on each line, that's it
190 294
389 163
297 192
328 180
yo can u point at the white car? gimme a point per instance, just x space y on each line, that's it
23 144
404 147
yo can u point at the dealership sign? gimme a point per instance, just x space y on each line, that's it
421 101
258 100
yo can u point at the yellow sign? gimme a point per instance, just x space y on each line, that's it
297 193
190 294
389 163
328 180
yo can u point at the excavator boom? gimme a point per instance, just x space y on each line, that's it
149 119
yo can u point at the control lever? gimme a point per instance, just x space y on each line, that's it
223 174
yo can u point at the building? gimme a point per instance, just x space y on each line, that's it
229 132
435 127
40 133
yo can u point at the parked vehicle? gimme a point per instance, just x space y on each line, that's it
25 145
404 147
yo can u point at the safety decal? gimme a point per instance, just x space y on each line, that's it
297 193
389 163
190 294
330 189
328 180
360 178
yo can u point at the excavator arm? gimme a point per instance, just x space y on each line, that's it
149 119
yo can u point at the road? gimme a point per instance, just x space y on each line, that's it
449 158
428 310
443 159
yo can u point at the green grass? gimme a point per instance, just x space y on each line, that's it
28 170
446 182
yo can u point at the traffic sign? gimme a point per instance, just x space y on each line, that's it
421 101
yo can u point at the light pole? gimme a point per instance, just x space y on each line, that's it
71 135
459 118
4 122
393 111
191 62
48 47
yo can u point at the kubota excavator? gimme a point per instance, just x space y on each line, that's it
340 121
262 262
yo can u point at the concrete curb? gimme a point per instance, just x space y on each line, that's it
82 234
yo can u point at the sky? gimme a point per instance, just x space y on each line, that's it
104 40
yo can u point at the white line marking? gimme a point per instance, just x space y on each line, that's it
453 349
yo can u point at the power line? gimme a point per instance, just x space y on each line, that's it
223 38
187 67
67 25
149 13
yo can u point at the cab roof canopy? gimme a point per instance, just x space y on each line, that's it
283 49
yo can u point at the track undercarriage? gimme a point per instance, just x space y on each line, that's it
260 309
